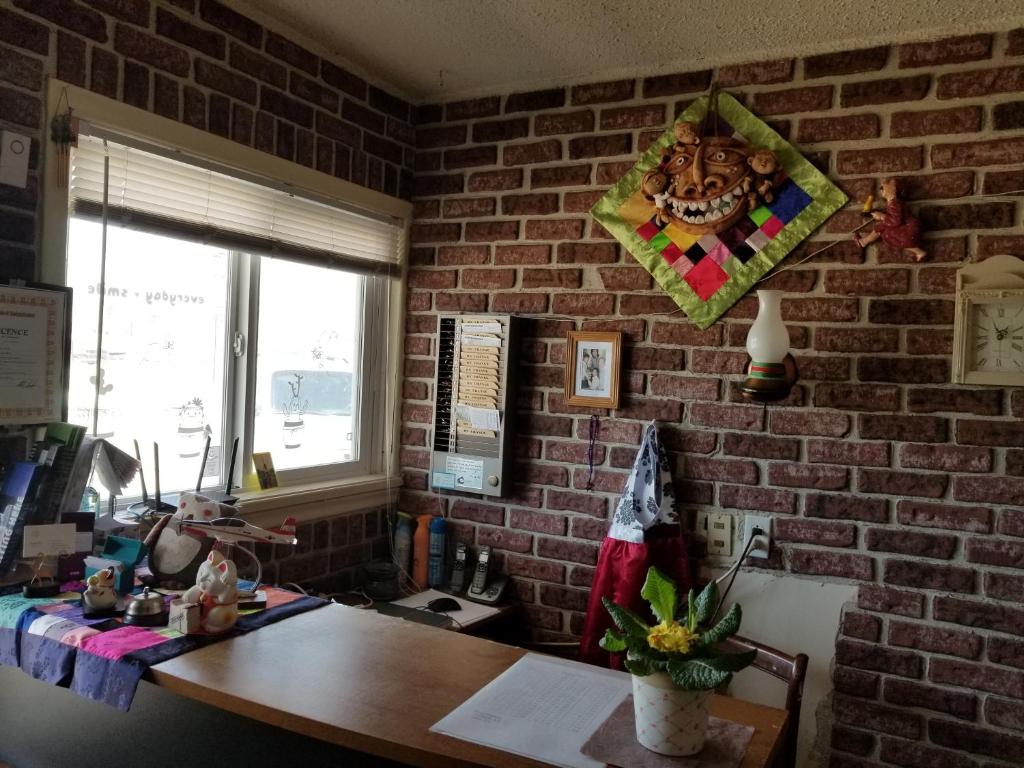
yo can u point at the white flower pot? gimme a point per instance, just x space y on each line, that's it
669 720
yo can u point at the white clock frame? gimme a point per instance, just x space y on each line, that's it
997 280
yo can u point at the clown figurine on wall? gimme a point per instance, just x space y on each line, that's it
897 228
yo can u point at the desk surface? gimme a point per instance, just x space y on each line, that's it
366 682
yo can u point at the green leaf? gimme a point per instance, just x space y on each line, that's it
660 592
640 666
626 620
706 603
728 626
613 642
697 675
691 612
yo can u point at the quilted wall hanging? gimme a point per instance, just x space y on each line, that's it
714 204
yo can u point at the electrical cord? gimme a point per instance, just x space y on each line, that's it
734 570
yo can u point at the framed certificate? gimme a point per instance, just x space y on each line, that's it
34 352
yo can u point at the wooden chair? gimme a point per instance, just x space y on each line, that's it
789 669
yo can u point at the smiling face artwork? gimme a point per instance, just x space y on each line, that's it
709 183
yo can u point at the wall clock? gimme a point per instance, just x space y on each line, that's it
988 331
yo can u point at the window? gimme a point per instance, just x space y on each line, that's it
208 305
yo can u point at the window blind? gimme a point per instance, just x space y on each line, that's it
160 194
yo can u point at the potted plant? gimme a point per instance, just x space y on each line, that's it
675 664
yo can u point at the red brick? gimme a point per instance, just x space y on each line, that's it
973 154
760 446
597 93
808 99
583 304
470 108
1009 116
910 694
971 519
825 534
935 121
888 600
435 233
762 499
874 282
923 575
479 513
488 279
937 280
470 157
1004 586
224 80
843 452
562 549
727 416
23 32
951 50
540 522
552 278
1008 714
721 470
534 568
714 361
828 310
885 91
854 682
937 546
441 136
631 330
534 152
968 216
1006 554
561 176
494 181
502 538
343 79
532 101
859 397
977 677
136 44
903 370
934 639
997 490
834 564
946 457
970 613
822 478
555 229
929 342
759 73
846 62
839 507
461 302
501 130
984 432
600 146
852 741
587 253
522 254
487 231
925 429
625 278
669 85
468 207
845 128
977 741
685 334
958 85
641 116
820 424
877 161
642 304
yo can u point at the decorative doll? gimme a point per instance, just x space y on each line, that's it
216 592
686 133
655 185
765 165
897 228
99 595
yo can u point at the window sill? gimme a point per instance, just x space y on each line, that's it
315 501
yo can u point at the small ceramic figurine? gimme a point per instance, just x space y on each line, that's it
100 595
765 164
216 592
897 228
686 133
656 188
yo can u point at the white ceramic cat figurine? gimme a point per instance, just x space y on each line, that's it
216 591
100 594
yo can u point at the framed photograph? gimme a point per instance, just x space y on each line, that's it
592 363
265 474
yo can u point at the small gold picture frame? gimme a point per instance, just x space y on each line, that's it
592 363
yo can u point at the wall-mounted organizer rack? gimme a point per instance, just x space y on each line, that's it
473 397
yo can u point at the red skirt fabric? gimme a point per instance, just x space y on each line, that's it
621 571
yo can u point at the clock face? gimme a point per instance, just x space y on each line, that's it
997 337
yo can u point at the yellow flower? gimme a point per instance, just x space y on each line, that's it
671 636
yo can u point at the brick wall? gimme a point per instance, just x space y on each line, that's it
876 469
206 65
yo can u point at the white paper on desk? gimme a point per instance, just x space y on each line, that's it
56 539
540 707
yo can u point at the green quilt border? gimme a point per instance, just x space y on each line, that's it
827 198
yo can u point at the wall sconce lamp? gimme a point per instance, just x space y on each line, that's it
772 371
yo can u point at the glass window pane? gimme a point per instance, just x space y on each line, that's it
162 365
307 364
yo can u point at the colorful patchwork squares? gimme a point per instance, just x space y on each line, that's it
705 272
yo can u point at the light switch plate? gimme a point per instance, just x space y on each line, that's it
14 151
720 534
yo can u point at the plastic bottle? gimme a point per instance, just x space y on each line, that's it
438 537
403 542
421 551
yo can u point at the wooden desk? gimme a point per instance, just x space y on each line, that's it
372 684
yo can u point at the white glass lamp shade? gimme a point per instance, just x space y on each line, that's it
768 340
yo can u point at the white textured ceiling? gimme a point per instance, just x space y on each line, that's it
432 50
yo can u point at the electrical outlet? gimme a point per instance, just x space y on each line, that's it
720 534
764 522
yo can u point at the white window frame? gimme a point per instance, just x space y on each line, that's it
374 477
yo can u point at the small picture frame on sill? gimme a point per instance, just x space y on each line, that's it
592 363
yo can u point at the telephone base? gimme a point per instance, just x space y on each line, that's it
490 595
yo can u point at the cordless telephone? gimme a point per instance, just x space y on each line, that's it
479 590
458 580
